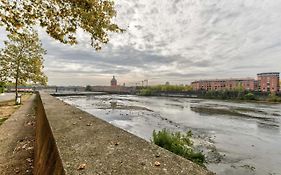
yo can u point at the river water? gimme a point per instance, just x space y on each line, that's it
238 138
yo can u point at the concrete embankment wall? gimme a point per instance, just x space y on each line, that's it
70 141
47 159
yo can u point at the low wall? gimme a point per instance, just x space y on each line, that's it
47 159
70 141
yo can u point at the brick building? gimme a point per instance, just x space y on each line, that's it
269 82
266 82
224 84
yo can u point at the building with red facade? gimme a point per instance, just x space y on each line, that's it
266 82
224 84
269 82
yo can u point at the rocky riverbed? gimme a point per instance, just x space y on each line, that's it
237 138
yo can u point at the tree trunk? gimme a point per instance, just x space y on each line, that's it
17 77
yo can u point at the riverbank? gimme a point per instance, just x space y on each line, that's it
238 138
89 145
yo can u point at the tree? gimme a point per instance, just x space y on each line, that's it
2 86
88 88
61 18
21 60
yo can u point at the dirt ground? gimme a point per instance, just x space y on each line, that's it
17 136
7 108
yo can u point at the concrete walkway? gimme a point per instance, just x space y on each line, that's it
88 145
16 141
7 96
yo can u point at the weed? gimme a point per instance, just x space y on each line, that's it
180 144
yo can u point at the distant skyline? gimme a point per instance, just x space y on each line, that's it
176 41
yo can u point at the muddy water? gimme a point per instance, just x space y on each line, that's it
238 138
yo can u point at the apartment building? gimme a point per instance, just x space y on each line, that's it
269 82
266 82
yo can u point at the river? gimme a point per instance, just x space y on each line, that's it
238 138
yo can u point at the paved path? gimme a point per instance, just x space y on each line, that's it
17 140
7 96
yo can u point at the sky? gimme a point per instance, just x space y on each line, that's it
174 40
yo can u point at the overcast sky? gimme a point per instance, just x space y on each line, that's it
177 41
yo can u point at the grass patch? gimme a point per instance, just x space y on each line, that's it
2 120
180 144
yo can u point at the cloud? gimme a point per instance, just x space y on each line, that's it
177 41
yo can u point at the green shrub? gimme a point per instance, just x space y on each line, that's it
152 90
2 87
145 92
249 96
274 98
179 144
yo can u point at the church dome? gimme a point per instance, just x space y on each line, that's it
113 81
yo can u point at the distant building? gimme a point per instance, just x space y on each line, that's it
167 83
269 82
224 84
113 82
266 82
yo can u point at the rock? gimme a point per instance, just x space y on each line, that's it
82 166
157 163
29 160
17 170
30 148
24 146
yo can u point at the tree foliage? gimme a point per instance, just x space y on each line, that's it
150 90
21 60
61 18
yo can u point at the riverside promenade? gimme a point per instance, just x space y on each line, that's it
70 141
